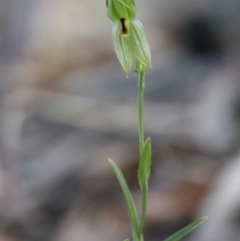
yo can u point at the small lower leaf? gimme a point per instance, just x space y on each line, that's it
128 197
145 163
183 232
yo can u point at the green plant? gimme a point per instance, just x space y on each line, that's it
129 41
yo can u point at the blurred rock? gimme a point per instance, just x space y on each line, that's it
222 205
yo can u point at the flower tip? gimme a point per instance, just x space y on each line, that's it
149 64
127 71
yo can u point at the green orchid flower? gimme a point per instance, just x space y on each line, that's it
129 37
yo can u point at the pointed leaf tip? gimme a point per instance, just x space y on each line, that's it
185 231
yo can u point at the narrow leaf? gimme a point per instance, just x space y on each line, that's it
126 239
183 232
145 163
128 197
140 43
122 48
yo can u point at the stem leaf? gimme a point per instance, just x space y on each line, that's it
183 232
145 163
128 197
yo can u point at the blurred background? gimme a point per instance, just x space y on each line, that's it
66 106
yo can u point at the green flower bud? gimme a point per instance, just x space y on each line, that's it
138 67
139 43
122 45
117 9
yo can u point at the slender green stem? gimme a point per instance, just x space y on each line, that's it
141 87
144 207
